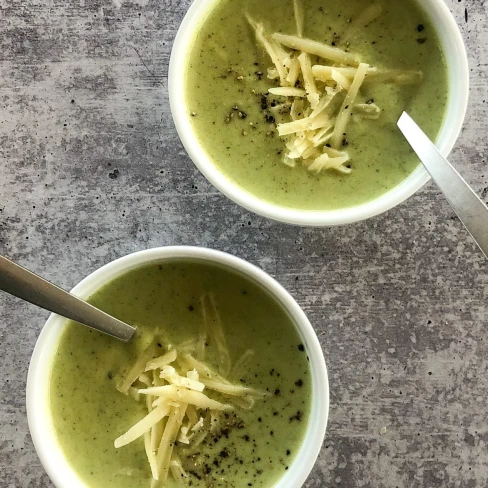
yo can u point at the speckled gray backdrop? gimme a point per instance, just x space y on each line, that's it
92 169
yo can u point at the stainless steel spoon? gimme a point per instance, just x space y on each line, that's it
472 212
21 283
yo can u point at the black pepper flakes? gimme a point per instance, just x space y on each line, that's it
420 27
301 347
298 416
421 40
299 383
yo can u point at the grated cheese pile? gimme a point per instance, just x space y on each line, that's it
320 85
183 395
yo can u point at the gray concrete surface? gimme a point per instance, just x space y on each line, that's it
92 169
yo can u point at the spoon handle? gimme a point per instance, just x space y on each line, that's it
472 212
28 286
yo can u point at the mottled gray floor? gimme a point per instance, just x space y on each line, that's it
92 169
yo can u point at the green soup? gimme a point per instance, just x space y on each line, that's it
89 413
224 71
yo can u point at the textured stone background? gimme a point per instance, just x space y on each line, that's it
92 169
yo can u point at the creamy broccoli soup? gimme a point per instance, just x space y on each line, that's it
216 361
249 75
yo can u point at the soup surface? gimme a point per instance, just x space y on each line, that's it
227 69
89 413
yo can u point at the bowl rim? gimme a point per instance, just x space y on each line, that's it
458 73
37 391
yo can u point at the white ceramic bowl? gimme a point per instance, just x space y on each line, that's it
38 412
458 74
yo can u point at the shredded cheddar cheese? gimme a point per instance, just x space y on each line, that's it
299 16
321 85
176 389
347 104
317 48
366 17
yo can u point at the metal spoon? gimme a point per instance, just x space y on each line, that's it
472 212
23 284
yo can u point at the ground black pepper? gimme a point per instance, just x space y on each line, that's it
298 416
